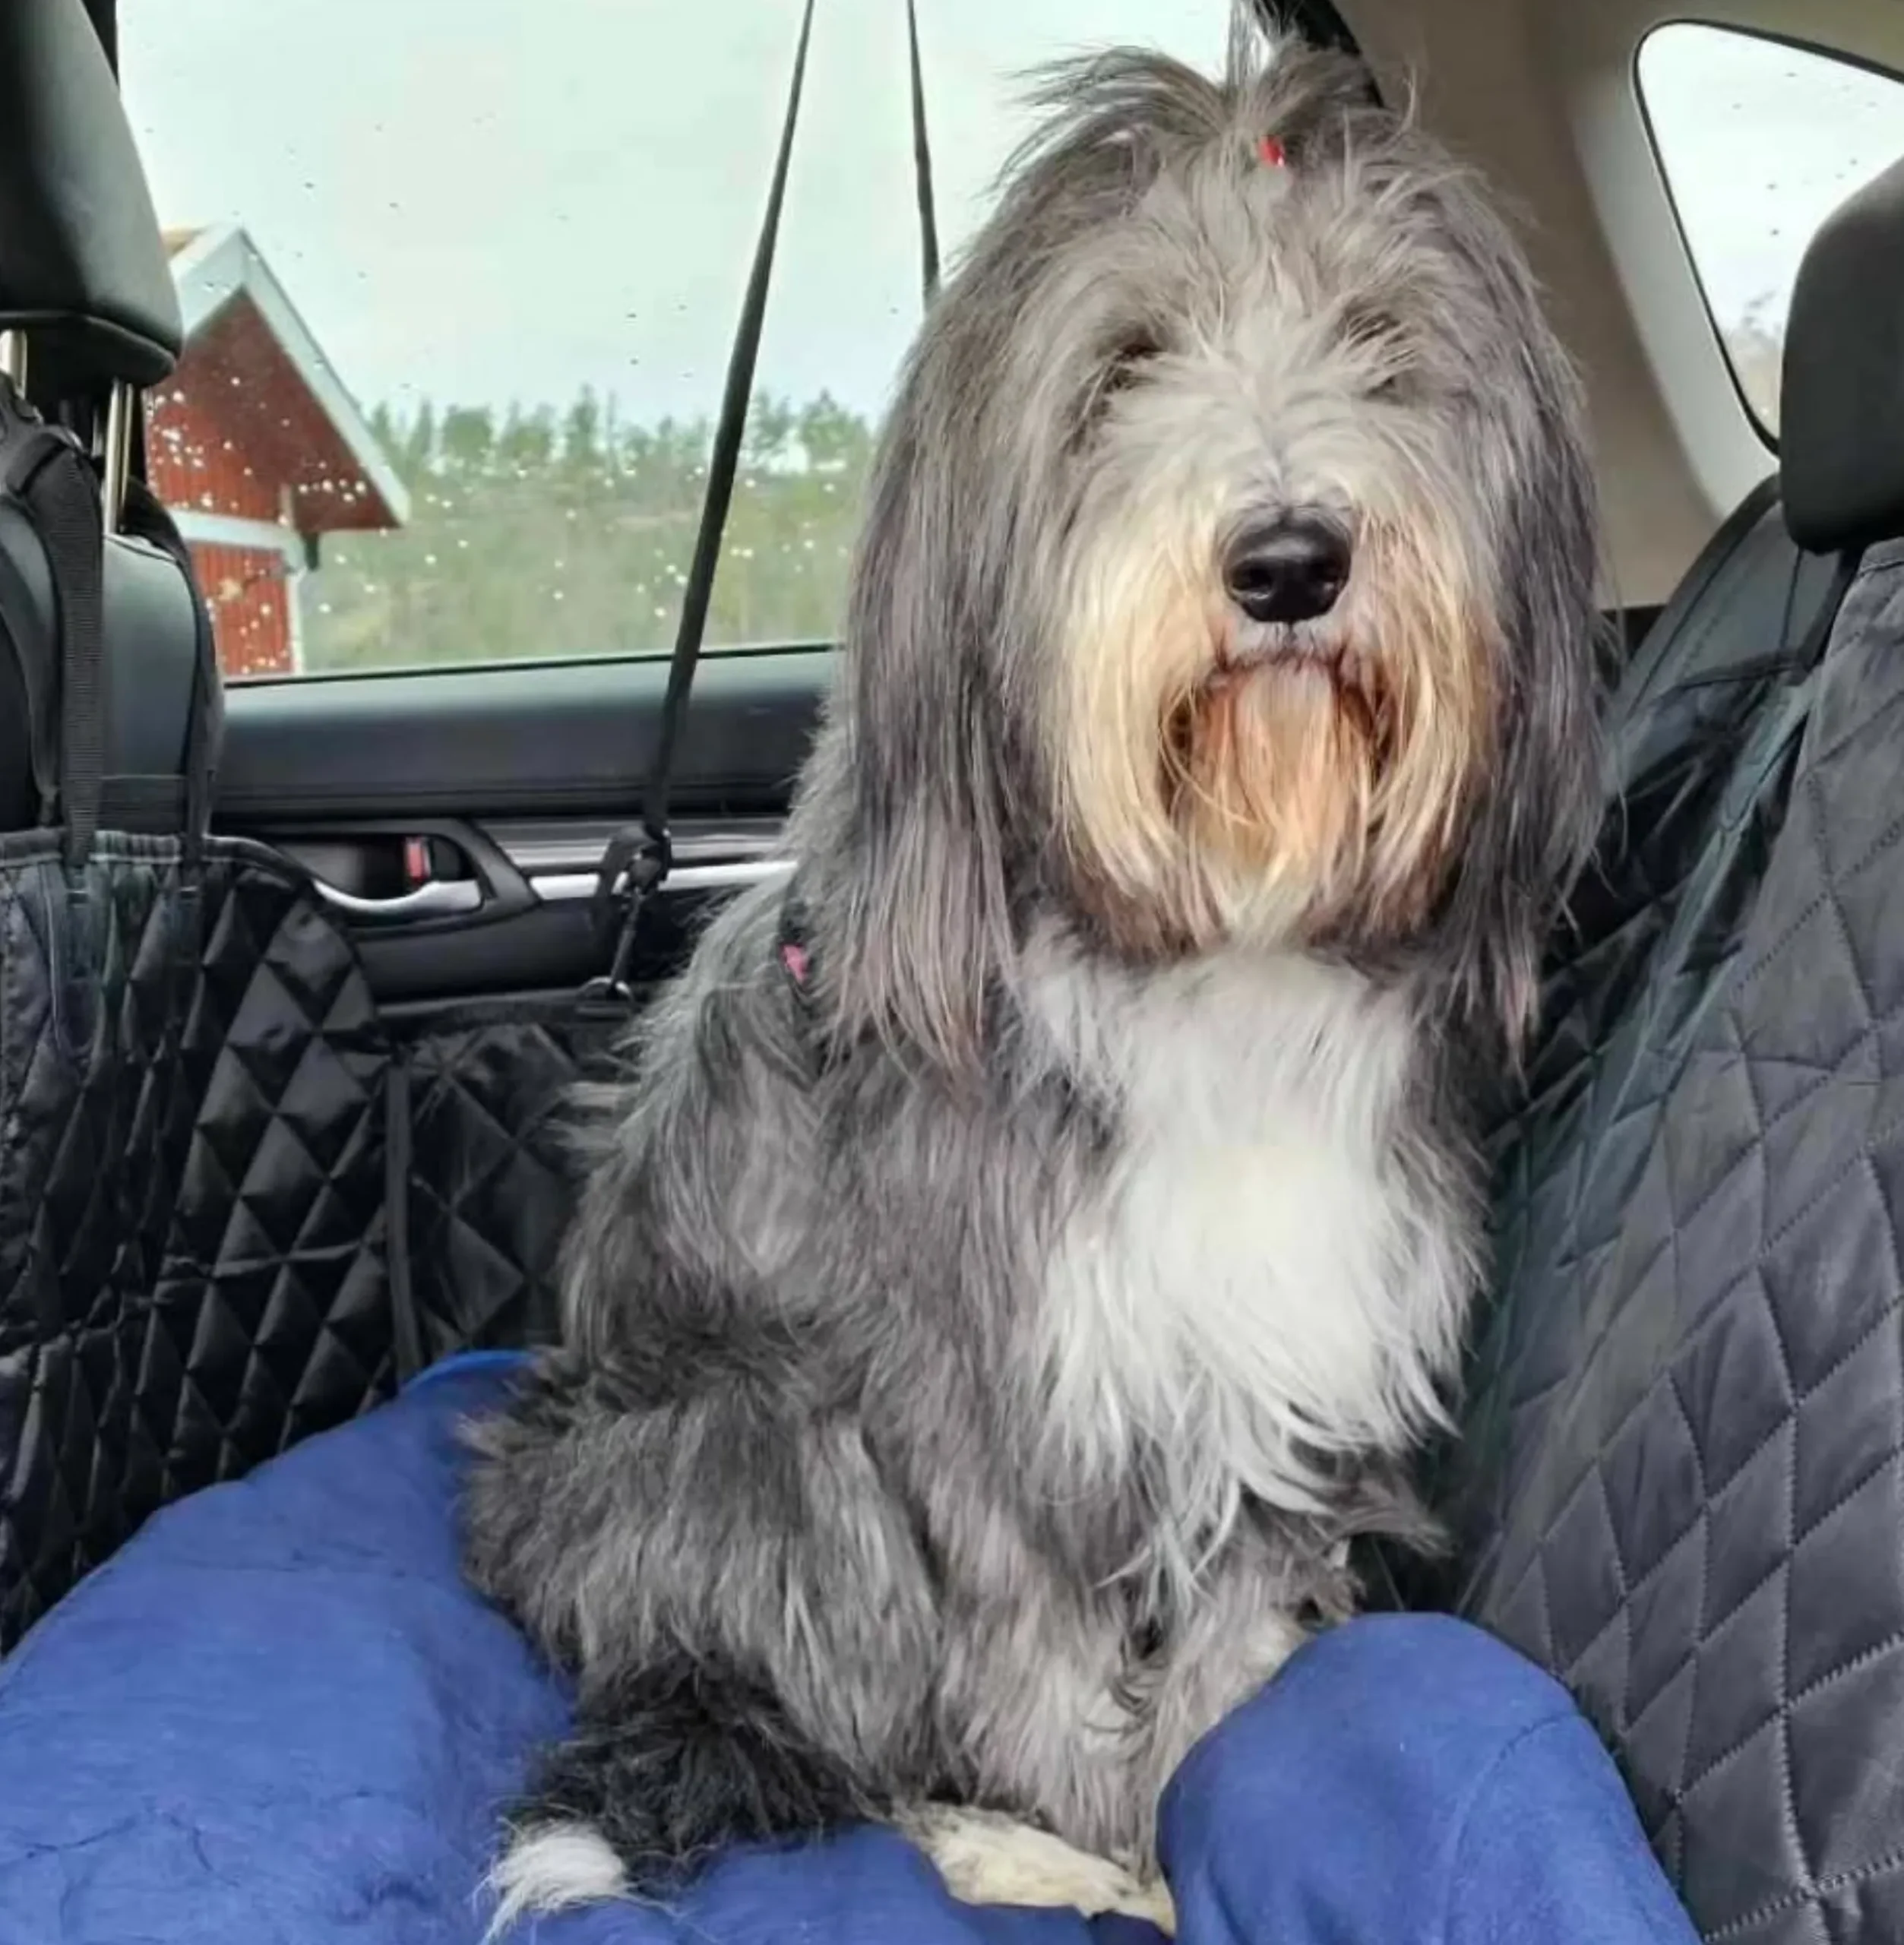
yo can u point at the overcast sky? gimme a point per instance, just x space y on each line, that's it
484 199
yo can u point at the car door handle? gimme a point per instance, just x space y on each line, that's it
440 898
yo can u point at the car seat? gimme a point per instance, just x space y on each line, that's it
192 1073
1682 1485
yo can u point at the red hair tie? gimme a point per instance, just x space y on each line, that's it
1271 153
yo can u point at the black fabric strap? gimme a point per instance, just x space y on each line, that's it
928 218
406 1322
45 470
638 858
146 518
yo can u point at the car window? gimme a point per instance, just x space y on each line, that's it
1760 141
459 278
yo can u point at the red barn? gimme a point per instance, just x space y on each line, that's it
257 449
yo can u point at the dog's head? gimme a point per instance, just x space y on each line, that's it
1229 575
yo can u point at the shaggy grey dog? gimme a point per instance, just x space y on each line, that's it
1028 1249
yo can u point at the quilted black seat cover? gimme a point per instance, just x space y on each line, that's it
192 1192
494 1169
1687 1443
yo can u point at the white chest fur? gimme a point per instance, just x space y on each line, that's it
1259 1275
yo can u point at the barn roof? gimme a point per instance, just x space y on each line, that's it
240 325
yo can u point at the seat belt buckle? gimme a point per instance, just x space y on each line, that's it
636 863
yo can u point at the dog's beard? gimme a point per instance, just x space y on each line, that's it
1222 782
1271 768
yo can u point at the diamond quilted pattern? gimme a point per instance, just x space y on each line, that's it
192 1218
1685 1483
493 1176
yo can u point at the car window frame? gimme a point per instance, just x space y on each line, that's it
1767 436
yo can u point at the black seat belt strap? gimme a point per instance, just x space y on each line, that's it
929 220
638 858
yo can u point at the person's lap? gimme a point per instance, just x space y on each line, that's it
280 1714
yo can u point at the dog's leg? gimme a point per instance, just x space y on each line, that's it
1032 1692
750 1625
987 1858
1238 1639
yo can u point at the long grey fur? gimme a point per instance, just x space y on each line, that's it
831 1505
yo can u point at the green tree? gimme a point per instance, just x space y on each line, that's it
383 429
831 437
527 440
582 435
770 423
469 438
418 448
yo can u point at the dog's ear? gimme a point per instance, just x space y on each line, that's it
920 908
1535 825
1533 833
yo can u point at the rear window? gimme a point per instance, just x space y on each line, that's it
1760 141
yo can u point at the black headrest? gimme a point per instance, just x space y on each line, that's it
1841 414
83 265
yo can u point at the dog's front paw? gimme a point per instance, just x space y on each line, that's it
987 1858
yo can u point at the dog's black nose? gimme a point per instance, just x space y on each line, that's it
1293 570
